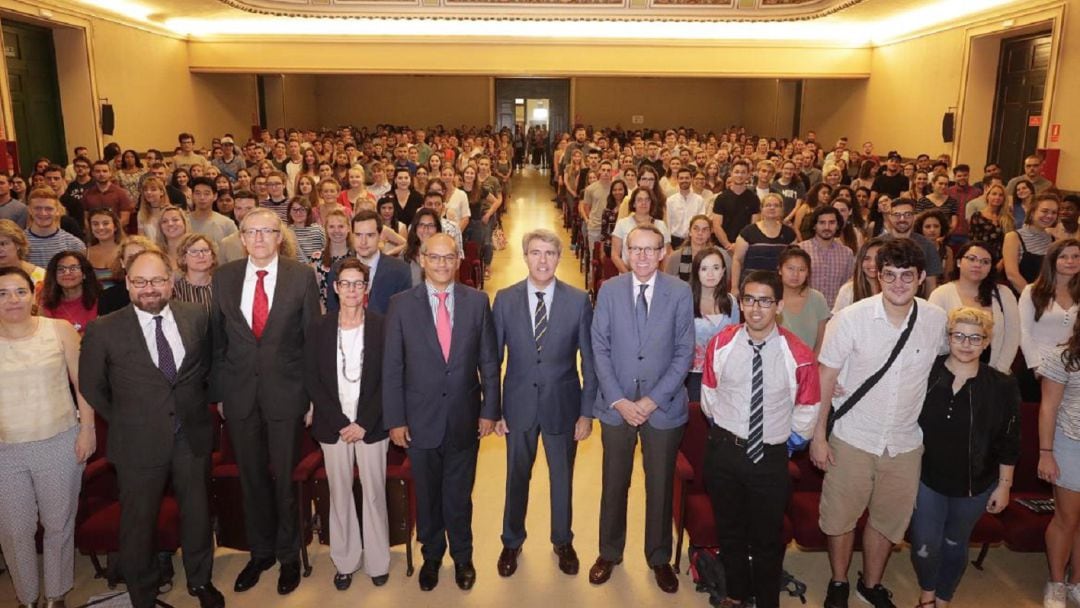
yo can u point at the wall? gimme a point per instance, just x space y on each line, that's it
1066 100
76 93
413 100
834 109
701 103
227 103
301 103
760 107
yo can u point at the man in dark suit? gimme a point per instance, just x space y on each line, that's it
543 324
643 341
263 305
440 395
144 368
389 275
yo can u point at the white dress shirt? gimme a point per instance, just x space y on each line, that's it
168 326
680 209
352 361
549 295
247 296
729 405
648 292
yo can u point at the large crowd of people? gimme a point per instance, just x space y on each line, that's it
868 308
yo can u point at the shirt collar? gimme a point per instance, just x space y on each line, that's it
271 268
879 308
744 336
550 289
146 318
432 291
651 283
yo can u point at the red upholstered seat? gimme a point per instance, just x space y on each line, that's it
1023 528
99 533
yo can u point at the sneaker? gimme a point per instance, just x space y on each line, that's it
1054 595
1074 593
836 596
877 596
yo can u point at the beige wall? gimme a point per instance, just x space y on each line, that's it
834 109
760 106
701 103
413 100
227 103
77 101
301 103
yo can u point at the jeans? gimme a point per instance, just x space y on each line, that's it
940 530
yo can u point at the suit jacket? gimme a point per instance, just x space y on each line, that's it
117 376
270 371
392 276
440 401
656 363
321 380
545 385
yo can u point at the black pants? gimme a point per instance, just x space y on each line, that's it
266 454
658 450
560 451
141 490
748 503
444 483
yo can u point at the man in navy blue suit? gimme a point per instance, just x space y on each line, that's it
440 396
544 324
388 275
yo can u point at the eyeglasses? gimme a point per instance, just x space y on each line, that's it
974 259
427 225
358 284
902 214
263 232
437 259
646 251
298 209
139 282
763 302
908 276
972 339
272 184
198 252
68 269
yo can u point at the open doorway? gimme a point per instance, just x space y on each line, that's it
535 113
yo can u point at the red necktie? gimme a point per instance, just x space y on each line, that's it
260 307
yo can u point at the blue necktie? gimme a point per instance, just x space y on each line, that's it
641 311
166 361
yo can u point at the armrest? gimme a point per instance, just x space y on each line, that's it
684 471
95 469
307 466
793 471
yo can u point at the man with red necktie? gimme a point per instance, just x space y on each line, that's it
263 304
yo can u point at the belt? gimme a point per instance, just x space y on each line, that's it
721 434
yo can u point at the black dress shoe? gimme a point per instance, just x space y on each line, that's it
568 559
342 581
601 570
666 578
288 578
508 561
209 596
465 575
379 581
249 576
429 575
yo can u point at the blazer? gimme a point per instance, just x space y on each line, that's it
392 276
545 386
269 371
321 379
655 364
118 378
440 401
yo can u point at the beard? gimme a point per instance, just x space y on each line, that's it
152 304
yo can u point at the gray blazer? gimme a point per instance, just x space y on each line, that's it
655 364
545 385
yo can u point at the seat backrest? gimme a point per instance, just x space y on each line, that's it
810 477
693 443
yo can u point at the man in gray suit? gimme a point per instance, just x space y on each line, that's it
643 342
543 324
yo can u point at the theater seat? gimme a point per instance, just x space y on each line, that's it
804 507
1023 528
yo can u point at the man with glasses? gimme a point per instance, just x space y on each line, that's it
440 397
263 305
544 324
879 352
1032 173
752 417
900 224
278 200
186 157
160 429
643 344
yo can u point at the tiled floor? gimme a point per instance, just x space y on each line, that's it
1010 579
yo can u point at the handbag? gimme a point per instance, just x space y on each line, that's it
836 414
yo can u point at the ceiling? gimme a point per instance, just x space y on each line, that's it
834 22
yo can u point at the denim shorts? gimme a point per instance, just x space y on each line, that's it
1067 455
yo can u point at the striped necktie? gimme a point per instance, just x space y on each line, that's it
540 323
755 446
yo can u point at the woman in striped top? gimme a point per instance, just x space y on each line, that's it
196 260
309 234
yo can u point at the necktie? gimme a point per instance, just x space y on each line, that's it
641 311
541 323
442 324
260 307
755 447
166 362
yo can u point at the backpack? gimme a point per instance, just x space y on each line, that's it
707 572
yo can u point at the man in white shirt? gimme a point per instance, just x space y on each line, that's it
873 458
682 206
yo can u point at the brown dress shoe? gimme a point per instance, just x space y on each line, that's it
568 559
666 578
508 561
601 570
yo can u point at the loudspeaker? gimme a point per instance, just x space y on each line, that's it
948 123
108 119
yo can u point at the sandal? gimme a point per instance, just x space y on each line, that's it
926 604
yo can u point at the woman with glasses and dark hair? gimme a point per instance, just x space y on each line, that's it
976 287
71 290
425 223
971 440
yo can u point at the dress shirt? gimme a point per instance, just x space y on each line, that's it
648 292
729 405
549 295
247 296
372 265
168 326
680 209
352 342
433 300
858 341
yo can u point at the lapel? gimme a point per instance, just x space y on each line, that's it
556 314
187 335
658 304
458 316
140 339
526 317
427 323
235 292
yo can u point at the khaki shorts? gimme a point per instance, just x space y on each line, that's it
886 485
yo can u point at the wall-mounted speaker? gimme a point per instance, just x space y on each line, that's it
948 124
108 119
